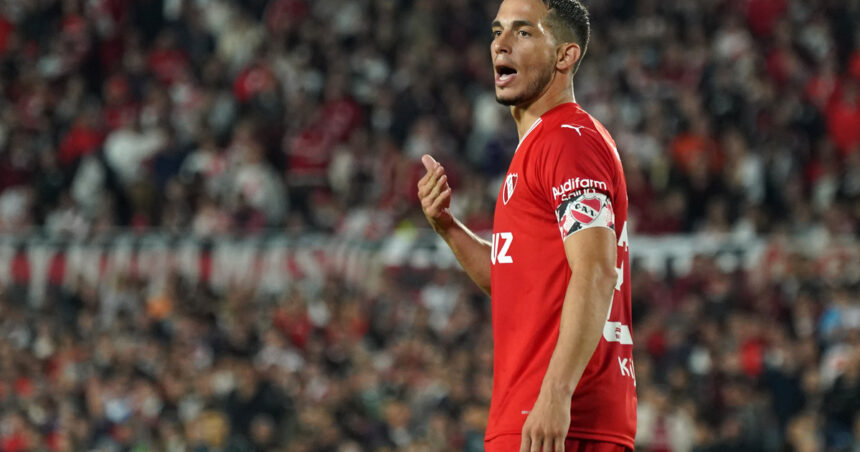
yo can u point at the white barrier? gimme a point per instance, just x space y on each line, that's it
271 263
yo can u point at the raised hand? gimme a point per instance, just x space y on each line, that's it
435 195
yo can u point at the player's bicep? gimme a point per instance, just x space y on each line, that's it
592 251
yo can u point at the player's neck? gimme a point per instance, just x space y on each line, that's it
526 115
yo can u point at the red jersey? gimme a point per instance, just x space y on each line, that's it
565 176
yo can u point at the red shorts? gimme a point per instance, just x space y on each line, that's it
511 443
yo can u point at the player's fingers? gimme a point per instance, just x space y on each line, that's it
432 177
441 183
440 201
438 187
558 444
425 187
524 443
427 179
423 180
429 162
536 444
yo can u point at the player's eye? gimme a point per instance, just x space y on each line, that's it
524 34
496 33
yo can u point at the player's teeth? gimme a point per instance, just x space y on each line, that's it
505 76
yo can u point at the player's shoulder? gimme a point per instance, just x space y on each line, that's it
581 138
570 132
571 125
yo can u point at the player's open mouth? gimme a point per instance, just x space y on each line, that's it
505 75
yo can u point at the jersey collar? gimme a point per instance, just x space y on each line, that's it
533 126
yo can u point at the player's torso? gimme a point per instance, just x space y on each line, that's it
529 278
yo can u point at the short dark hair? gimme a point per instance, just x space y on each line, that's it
569 22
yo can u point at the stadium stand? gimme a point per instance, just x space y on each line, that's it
211 240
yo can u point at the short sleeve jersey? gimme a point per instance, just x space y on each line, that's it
565 176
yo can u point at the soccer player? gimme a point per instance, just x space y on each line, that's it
557 266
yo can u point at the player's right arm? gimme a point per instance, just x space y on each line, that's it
471 251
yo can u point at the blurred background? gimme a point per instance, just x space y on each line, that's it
210 238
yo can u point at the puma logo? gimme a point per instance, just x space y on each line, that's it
568 126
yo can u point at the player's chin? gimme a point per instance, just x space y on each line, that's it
506 98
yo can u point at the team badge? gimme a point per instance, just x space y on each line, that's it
508 187
587 210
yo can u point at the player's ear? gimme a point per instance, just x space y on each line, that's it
567 55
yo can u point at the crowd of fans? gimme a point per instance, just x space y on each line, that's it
765 358
224 116
236 116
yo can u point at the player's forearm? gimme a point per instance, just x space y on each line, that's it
583 316
471 251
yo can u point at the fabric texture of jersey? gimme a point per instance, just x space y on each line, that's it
565 176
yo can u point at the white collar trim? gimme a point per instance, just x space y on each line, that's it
533 126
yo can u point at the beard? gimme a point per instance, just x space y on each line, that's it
532 91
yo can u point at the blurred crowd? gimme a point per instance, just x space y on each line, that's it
733 116
239 116
760 359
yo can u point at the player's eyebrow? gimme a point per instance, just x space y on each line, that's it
514 24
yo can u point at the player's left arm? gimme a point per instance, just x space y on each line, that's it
591 254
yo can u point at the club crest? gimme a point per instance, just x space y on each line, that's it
508 187
585 210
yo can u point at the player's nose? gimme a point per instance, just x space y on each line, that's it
501 44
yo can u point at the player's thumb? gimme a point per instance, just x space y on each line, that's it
428 161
